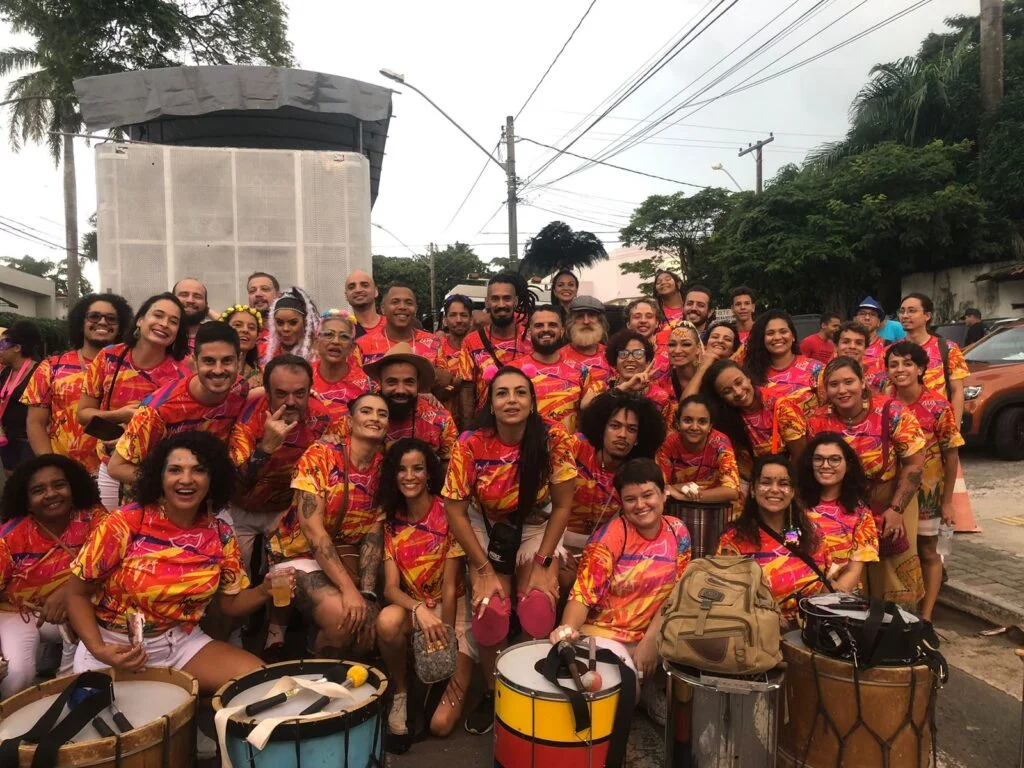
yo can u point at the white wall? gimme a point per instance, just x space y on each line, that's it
954 290
606 282
33 295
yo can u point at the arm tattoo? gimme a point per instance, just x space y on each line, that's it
324 548
371 550
307 504
913 483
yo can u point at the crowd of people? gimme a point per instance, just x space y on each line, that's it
519 471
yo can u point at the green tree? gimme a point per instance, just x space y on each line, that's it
675 228
76 38
51 270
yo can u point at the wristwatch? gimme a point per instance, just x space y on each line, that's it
897 508
544 562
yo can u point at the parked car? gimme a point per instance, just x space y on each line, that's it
994 392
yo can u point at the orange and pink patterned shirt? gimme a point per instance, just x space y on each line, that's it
624 578
32 564
336 395
560 387
594 500
148 563
374 344
420 550
486 469
474 358
847 535
714 466
57 385
798 381
935 415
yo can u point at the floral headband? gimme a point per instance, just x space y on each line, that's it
330 314
242 308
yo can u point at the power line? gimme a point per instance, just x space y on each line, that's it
681 45
479 176
617 167
713 127
557 55
566 214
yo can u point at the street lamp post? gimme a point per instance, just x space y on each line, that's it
720 167
509 167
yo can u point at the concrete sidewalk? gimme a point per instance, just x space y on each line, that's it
986 570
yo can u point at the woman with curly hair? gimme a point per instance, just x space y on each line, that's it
133 562
338 377
630 355
423 567
517 471
833 489
49 505
772 357
248 323
293 325
776 533
53 393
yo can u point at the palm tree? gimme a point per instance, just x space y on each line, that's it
906 101
557 246
43 110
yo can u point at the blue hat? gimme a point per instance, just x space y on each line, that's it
870 302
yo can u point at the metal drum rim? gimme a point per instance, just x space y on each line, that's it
326 724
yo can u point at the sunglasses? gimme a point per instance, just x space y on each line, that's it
97 317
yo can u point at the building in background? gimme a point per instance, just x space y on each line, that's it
606 282
26 294
996 289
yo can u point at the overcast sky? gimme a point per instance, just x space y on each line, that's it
479 60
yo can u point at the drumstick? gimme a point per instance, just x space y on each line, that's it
592 660
354 678
104 730
568 656
120 720
263 705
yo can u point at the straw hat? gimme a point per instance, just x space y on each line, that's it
402 353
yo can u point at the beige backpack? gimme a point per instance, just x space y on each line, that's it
721 617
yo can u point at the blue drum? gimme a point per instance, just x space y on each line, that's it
347 733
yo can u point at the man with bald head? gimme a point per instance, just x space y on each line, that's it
361 294
192 295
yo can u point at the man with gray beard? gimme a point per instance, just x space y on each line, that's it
587 331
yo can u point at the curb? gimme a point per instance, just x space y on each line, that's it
959 596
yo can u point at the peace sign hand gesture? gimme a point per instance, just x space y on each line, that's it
275 431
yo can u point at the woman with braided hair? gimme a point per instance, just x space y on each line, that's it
293 325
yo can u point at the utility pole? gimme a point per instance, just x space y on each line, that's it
510 179
432 251
991 54
757 158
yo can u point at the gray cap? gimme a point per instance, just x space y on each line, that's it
585 303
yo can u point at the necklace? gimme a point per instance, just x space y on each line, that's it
853 419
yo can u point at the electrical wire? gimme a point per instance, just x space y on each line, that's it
617 167
479 176
681 45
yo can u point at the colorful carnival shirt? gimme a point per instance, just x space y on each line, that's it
271 491
662 400
474 358
130 384
374 344
57 384
434 426
714 466
448 359
596 363
778 421
336 395
486 469
846 535
935 415
934 376
560 387
169 574
594 500
33 564
905 437
788 576
420 550
263 339
798 381
672 313
875 352
325 470
173 409
624 578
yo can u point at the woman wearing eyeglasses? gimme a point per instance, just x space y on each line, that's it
776 533
337 376
630 354
832 489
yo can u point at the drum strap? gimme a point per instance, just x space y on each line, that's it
551 668
807 559
48 734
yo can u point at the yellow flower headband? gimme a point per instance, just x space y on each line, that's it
242 308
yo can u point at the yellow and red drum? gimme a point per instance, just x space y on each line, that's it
533 720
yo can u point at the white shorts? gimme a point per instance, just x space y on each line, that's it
928 527
110 489
533 535
174 648
304 564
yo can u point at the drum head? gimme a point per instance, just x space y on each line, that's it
339 714
516 667
142 702
841 604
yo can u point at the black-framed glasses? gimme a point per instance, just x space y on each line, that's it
96 317
833 461
636 354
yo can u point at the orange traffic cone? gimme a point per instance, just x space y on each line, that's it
963 515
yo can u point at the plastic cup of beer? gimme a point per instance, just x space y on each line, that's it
280 589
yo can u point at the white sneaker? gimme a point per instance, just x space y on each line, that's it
206 748
397 716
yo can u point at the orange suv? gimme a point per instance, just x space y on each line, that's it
994 392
